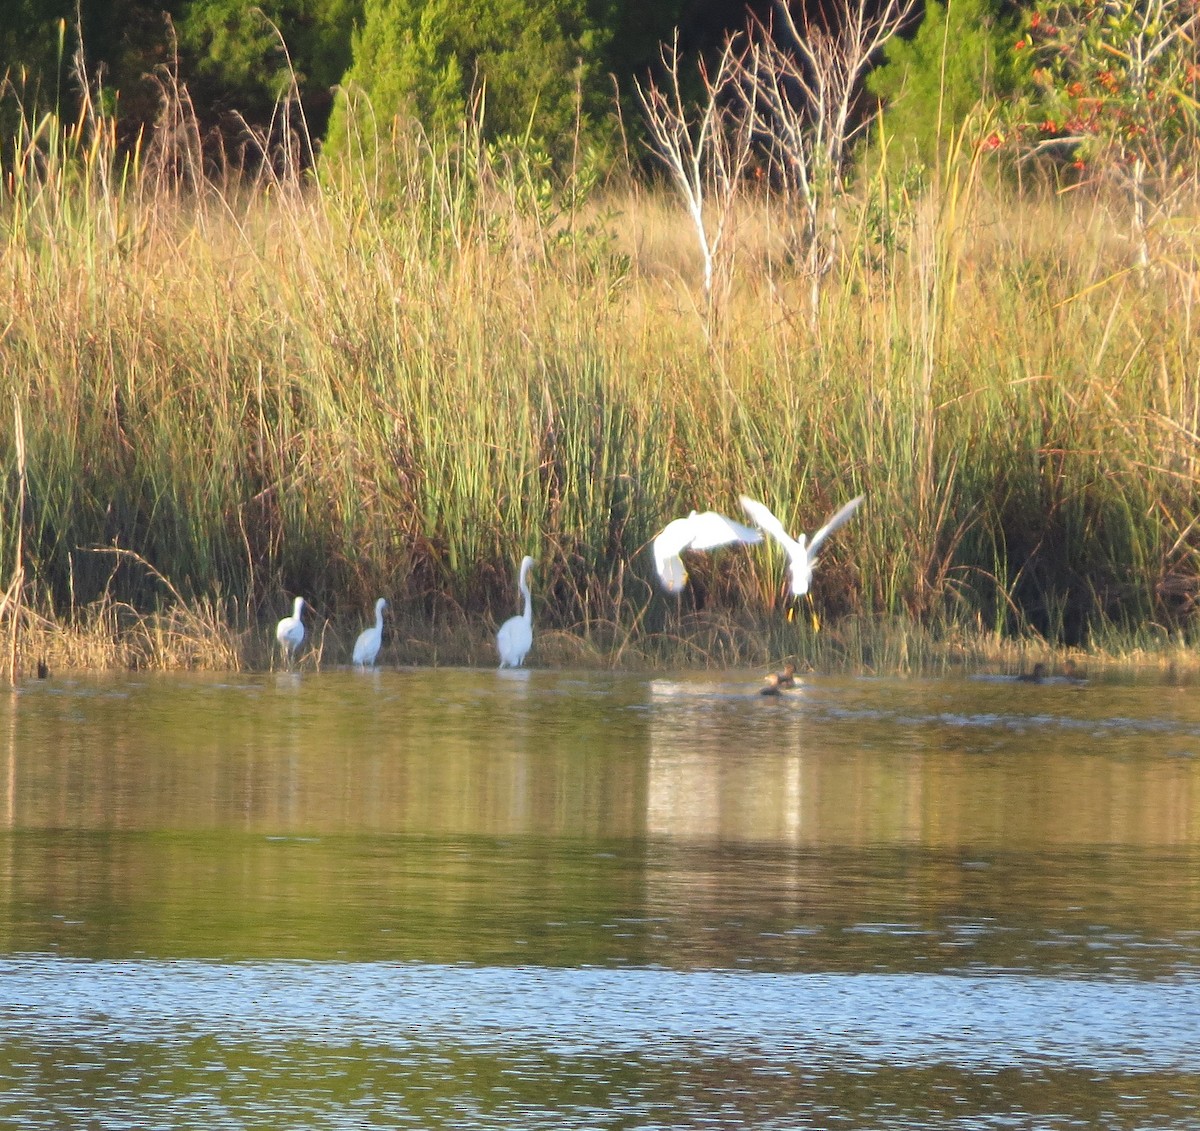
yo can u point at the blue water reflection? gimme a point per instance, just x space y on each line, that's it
975 1022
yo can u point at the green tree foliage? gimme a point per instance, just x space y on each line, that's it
1113 87
31 44
537 63
238 57
930 82
122 42
1113 83
230 53
28 36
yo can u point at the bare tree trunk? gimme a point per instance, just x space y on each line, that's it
706 149
801 83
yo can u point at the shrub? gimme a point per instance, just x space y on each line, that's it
427 60
929 83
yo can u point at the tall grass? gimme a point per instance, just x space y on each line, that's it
399 378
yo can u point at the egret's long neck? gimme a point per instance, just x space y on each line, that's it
379 616
524 586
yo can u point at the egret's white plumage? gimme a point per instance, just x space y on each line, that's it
699 531
802 551
290 631
366 647
515 637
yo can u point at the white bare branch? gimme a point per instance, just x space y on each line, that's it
801 80
705 148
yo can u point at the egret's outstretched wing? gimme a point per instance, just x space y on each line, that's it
710 530
704 531
671 572
801 551
835 523
767 521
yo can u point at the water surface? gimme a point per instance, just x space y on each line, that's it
551 899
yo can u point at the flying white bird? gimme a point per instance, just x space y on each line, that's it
366 647
703 531
802 551
290 631
515 637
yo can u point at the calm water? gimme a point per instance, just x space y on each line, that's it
458 899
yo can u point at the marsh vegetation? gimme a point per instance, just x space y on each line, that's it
399 377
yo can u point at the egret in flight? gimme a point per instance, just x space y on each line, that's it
802 551
290 631
366 647
515 637
704 531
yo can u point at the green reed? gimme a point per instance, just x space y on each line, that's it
400 378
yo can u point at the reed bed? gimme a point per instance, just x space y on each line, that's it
398 378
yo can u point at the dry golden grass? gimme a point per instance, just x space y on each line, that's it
237 396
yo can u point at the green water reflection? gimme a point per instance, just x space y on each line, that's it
421 824
566 819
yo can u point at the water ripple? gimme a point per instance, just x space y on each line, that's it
982 1022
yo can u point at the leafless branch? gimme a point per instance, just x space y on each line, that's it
705 148
801 80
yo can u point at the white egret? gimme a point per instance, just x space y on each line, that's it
802 551
366 647
703 531
290 631
515 637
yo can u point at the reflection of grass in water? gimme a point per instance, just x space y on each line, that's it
345 393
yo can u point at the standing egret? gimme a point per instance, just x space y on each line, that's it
515 637
802 551
366 647
704 531
290 631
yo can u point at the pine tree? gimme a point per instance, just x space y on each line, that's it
537 63
929 83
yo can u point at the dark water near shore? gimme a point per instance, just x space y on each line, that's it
458 899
